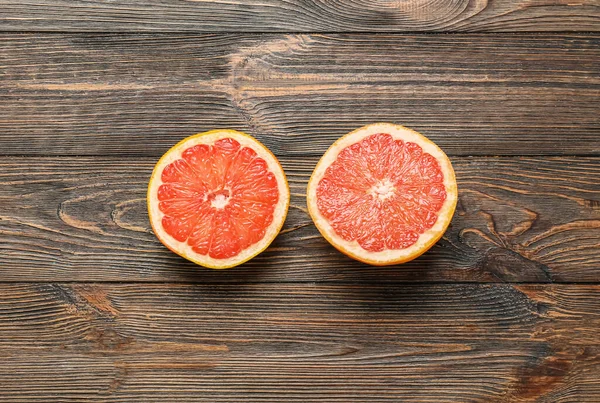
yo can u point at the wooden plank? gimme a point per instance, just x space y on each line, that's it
298 16
298 343
139 94
85 219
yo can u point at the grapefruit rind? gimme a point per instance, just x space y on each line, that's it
182 248
389 256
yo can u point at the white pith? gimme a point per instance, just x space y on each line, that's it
209 138
383 190
387 256
220 201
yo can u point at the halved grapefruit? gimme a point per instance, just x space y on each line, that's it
218 198
382 194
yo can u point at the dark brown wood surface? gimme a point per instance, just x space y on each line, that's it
300 15
504 309
301 342
472 94
84 219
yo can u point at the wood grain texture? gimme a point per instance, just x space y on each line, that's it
299 15
94 308
85 219
135 95
299 343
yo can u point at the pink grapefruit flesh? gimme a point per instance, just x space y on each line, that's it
218 198
382 194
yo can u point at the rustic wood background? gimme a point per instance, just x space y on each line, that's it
505 308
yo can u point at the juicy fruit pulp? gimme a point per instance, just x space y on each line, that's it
219 198
382 192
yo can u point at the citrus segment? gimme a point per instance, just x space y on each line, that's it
383 194
218 198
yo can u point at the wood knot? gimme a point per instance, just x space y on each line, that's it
510 266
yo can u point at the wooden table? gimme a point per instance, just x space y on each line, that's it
505 308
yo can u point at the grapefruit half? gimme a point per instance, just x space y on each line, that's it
382 194
218 198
